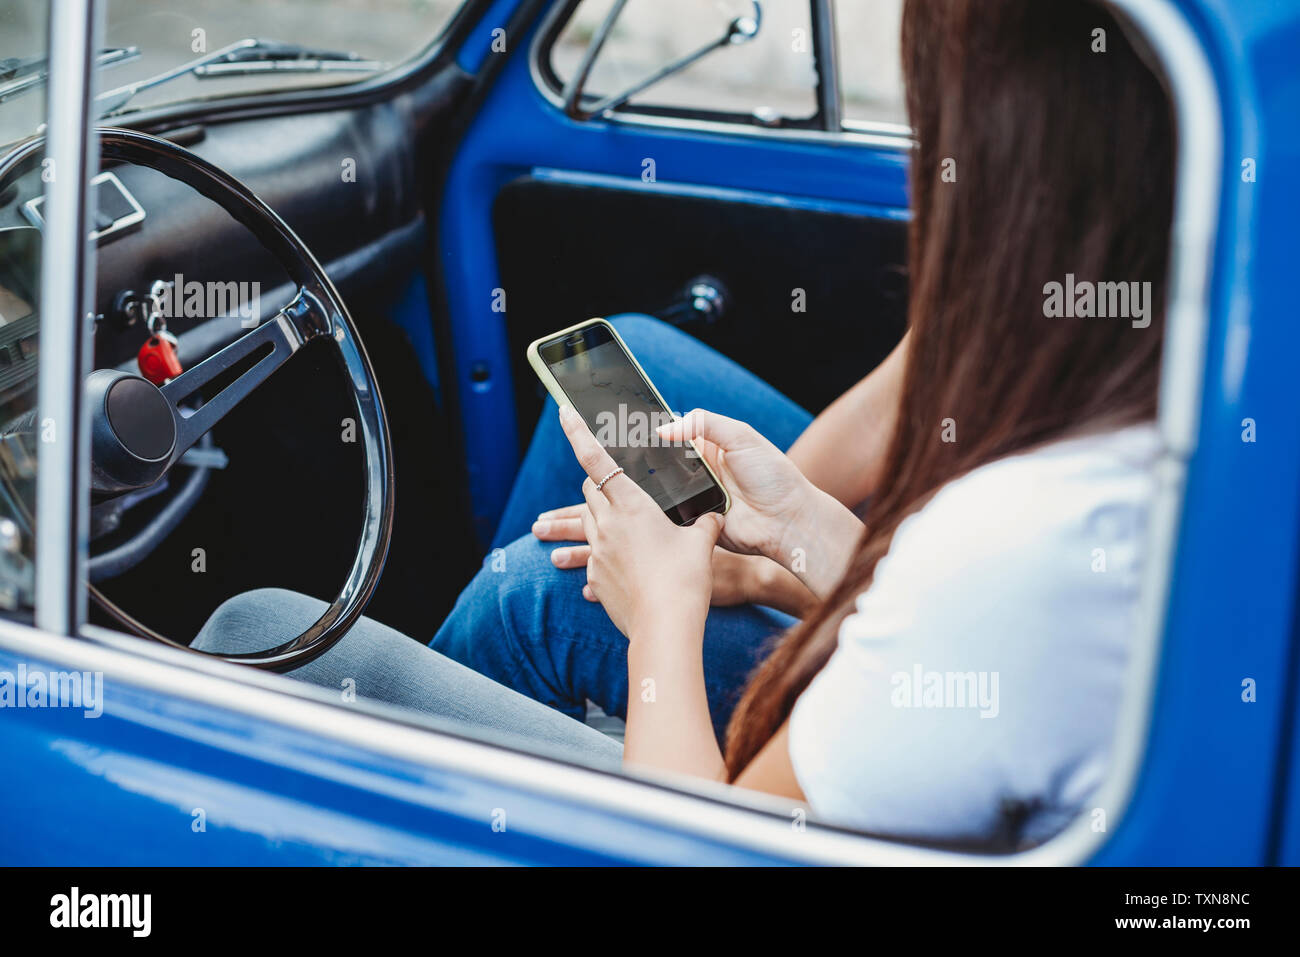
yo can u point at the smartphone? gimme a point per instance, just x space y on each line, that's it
590 368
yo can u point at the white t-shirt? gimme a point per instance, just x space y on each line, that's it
973 694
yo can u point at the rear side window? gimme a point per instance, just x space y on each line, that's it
871 73
845 51
772 76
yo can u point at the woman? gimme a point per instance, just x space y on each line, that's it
958 674
524 622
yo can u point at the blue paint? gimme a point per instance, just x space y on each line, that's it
158 780
480 43
411 313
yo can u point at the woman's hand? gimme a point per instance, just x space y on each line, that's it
768 492
775 511
737 579
643 569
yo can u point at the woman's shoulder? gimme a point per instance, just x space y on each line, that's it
1036 556
1052 504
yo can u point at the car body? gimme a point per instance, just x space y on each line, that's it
472 178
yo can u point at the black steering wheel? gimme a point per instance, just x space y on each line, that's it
139 430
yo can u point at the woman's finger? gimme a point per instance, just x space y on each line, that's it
597 507
590 595
575 556
709 525
591 455
569 511
727 434
593 458
560 529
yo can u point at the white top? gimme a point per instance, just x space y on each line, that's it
973 695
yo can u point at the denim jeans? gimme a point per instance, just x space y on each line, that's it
524 623
380 664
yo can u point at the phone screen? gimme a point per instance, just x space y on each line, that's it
605 387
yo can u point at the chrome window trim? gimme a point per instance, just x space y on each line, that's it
742 819
829 98
63 450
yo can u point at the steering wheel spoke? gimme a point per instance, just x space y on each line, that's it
273 343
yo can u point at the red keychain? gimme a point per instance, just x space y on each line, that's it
157 357
158 360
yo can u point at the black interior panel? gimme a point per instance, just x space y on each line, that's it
631 250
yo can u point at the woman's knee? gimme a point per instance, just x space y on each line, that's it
257 620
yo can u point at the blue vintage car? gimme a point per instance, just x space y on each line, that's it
446 181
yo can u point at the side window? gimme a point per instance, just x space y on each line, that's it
871 74
770 79
373 34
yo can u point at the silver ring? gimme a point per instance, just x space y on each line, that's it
601 484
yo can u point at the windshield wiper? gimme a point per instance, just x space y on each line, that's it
17 75
268 56
241 58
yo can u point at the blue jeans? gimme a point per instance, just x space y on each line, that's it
377 663
524 623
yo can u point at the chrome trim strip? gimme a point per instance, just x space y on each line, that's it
63 456
826 44
734 817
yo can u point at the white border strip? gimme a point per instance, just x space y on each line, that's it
751 825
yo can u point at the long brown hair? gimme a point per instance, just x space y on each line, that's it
1043 148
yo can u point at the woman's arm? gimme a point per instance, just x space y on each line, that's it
654 579
668 723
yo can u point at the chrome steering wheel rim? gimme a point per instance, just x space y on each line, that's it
317 311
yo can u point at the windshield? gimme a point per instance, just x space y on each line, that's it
381 33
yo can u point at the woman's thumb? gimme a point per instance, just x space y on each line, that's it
700 424
710 525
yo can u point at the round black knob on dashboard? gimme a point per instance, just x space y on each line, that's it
132 428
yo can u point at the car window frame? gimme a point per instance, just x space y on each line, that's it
744 820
